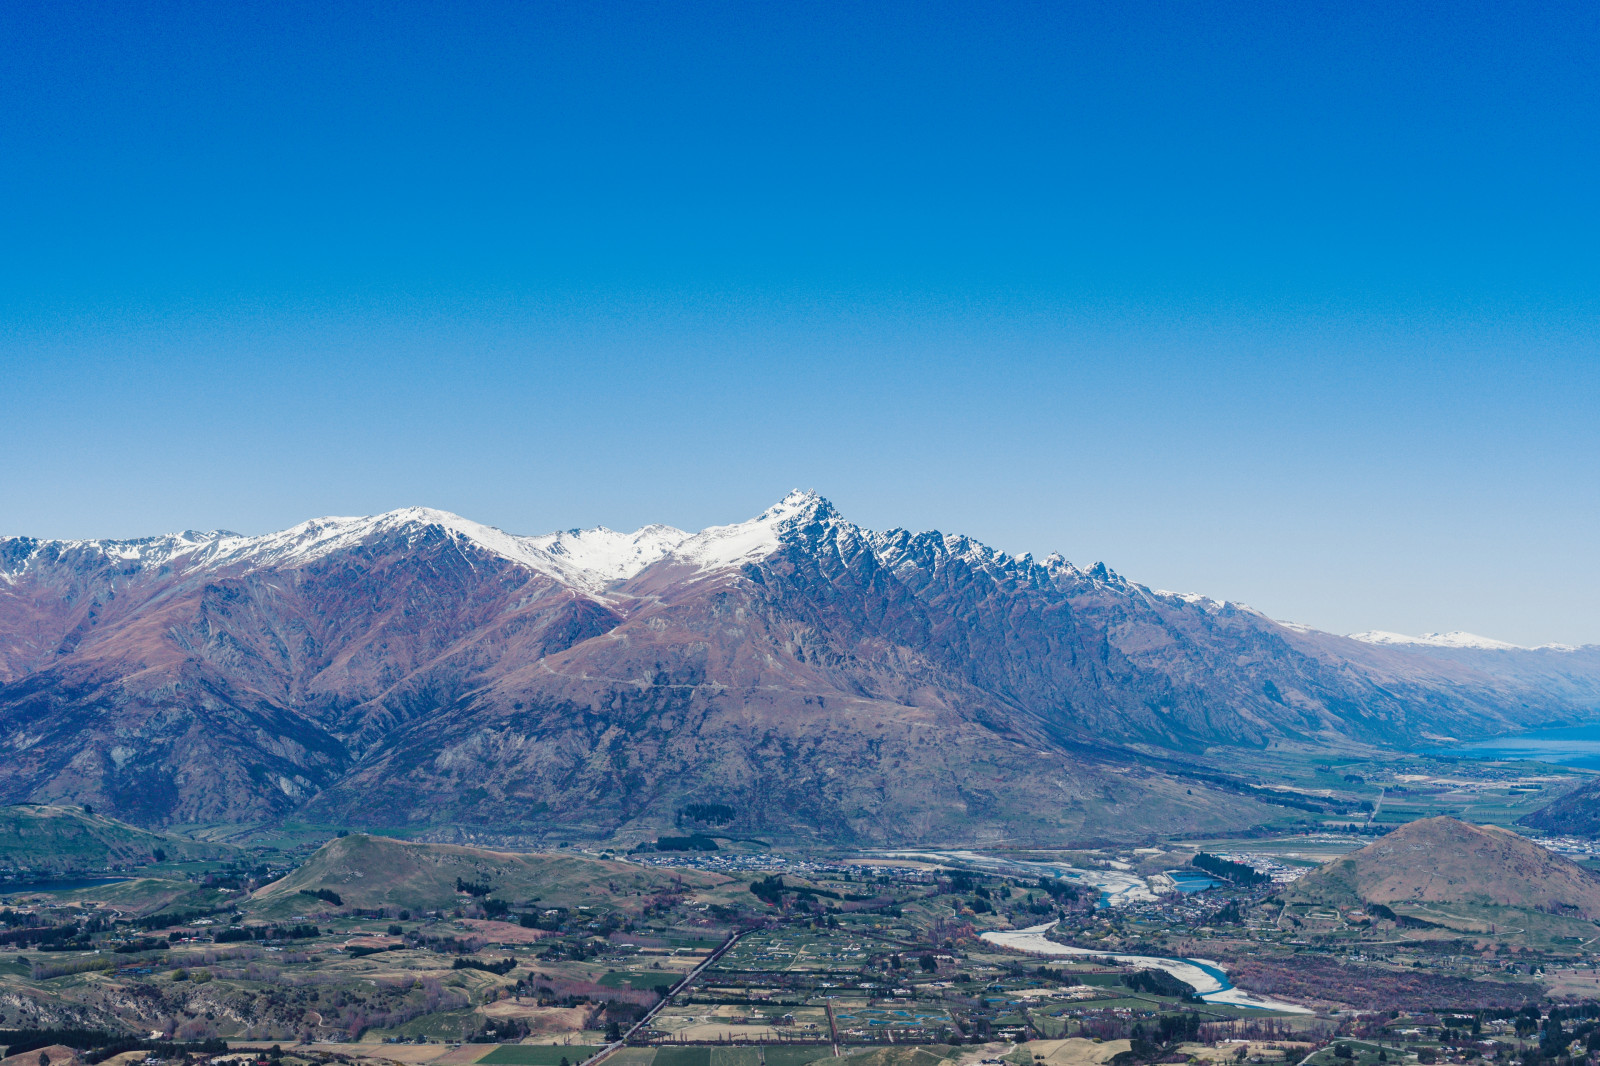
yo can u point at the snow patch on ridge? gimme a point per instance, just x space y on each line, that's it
588 558
1206 603
607 555
320 537
1442 640
719 547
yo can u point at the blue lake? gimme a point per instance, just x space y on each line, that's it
1573 745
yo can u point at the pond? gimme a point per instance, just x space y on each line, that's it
1187 881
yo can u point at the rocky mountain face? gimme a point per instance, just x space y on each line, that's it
818 679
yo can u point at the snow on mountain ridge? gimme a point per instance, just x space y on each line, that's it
317 538
1457 639
592 559
607 554
719 547
588 558
156 550
595 559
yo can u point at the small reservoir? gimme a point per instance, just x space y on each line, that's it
1189 882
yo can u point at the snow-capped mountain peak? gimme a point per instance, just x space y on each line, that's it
799 505
320 537
587 559
1438 640
606 554
720 547
595 560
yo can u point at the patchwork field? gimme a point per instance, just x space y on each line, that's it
432 955
538 1054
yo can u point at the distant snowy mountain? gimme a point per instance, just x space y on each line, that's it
1449 640
416 669
587 557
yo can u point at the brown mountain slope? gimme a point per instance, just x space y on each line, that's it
739 688
236 691
1445 861
418 670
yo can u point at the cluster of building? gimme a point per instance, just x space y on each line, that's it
1281 873
1570 845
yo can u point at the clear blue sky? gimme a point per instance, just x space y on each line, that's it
1288 303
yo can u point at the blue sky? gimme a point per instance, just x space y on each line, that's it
1290 304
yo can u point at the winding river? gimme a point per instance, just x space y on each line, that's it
1210 983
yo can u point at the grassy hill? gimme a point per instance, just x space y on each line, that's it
38 838
1470 878
369 871
143 896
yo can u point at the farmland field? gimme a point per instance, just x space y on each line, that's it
537 1054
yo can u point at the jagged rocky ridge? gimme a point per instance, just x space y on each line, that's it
416 669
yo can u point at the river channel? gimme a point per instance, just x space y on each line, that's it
1209 980
1117 888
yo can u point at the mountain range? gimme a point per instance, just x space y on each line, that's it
791 676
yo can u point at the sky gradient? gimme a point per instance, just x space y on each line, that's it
1293 305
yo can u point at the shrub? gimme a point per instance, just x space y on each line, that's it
504 966
710 813
1228 870
1158 983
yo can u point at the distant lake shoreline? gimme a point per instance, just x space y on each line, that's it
1577 746
65 884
